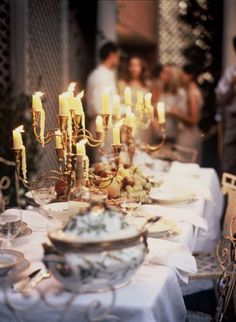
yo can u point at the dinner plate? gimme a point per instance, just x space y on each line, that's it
169 197
9 258
161 228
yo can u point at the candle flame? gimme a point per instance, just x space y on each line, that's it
148 96
20 129
160 105
71 87
39 94
128 110
116 98
99 119
80 95
83 142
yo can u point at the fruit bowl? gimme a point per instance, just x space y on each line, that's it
96 251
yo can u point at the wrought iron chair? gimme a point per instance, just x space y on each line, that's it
175 152
222 264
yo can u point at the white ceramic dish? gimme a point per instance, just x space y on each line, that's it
63 211
169 197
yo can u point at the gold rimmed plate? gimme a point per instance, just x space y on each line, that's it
169 197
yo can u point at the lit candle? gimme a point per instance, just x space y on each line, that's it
58 140
147 99
70 96
140 97
99 124
63 105
161 112
116 135
36 102
42 126
127 96
80 148
105 102
17 138
69 130
130 120
18 144
128 110
116 109
78 104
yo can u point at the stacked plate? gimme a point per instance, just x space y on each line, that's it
163 228
168 197
12 263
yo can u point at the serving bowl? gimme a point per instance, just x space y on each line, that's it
96 251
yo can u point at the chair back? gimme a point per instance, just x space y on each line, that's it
229 188
226 252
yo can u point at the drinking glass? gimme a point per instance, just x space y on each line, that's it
130 205
10 225
45 194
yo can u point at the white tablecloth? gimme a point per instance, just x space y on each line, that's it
154 294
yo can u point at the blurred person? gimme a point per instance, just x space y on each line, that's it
189 134
135 76
102 77
174 96
157 83
226 98
183 102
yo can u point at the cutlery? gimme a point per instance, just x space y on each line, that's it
41 275
18 286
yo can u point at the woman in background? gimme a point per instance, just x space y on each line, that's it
188 114
135 76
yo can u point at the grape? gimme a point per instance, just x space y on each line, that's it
129 189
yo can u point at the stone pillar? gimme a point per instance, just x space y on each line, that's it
106 23
229 30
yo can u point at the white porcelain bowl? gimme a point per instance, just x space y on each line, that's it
64 211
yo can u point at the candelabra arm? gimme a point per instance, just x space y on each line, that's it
153 148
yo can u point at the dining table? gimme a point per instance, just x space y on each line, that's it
155 293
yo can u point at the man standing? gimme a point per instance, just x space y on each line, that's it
226 98
102 77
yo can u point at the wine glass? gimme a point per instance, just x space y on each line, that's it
10 224
45 194
130 205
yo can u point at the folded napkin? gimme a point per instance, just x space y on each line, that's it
188 169
174 255
176 214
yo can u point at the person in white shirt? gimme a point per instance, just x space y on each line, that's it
102 77
226 98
